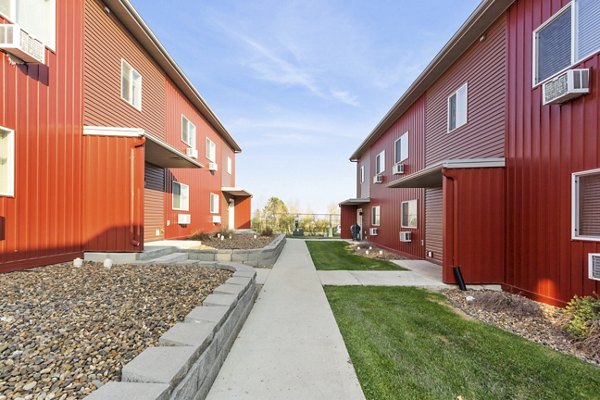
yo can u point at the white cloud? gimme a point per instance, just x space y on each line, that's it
345 97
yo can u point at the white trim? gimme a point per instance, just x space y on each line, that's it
210 204
132 70
455 93
208 146
229 165
499 162
181 203
13 9
396 161
575 205
362 174
11 162
112 131
190 125
381 156
402 214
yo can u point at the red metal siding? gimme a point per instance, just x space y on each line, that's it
243 212
154 203
41 224
545 144
347 219
434 234
483 68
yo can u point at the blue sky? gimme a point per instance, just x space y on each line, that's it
299 84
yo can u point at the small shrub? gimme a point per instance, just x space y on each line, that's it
268 231
506 302
582 312
224 232
199 236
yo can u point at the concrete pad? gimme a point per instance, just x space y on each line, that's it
394 278
159 365
290 346
337 278
197 335
131 391
261 275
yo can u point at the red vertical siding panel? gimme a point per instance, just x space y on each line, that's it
243 212
347 219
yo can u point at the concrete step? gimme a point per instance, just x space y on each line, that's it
169 258
152 252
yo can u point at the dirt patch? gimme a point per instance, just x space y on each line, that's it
234 241
371 251
537 322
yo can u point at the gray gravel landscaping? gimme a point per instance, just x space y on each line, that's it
65 331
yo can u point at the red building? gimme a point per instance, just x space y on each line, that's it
470 168
104 142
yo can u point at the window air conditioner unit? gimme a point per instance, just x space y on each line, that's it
406 236
378 179
594 266
184 219
216 219
373 231
191 152
213 166
566 86
398 169
20 44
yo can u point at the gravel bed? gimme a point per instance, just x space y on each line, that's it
65 331
537 322
237 241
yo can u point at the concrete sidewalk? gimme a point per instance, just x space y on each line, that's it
290 346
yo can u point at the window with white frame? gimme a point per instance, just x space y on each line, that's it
214 203
401 148
131 85
408 216
375 216
380 163
181 196
188 132
362 174
36 17
586 205
211 150
457 108
229 165
7 162
569 36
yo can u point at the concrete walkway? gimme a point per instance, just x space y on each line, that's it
290 346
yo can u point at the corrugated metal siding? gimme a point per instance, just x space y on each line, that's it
347 219
227 180
483 68
243 212
154 202
364 188
434 241
42 104
545 145
113 193
106 43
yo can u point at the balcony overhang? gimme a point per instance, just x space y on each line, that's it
432 177
235 192
355 202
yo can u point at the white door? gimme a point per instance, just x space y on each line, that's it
232 214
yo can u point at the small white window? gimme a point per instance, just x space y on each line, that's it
181 196
380 163
211 150
36 17
362 174
131 85
586 205
401 148
457 108
7 162
188 132
375 216
214 203
229 165
408 217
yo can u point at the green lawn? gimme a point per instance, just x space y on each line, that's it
407 343
332 255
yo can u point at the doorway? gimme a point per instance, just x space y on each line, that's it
231 212
359 222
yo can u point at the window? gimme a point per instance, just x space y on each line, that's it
380 163
457 108
211 150
586 205
229 165
570 35
131 85
36 17
181 196
214 203
7 162
401 148
188 132
409 214
362 174
375 216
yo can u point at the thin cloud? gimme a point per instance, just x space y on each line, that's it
345 97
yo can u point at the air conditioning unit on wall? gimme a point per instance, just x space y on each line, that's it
373 231
213 166
398 169
378 179
406 236
566 86
184 219
594 266
216 219
20 44
191 152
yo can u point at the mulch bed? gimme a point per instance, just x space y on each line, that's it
236 241
537 322
370 250
65 331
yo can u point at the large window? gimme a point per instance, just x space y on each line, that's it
569 36
211 150
586 205
7 162
457 108
188 132
36 17
214 203
380 163
375 216
131 85
409 214
181 196
401 148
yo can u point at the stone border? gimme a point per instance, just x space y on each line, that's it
191 353
264 257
